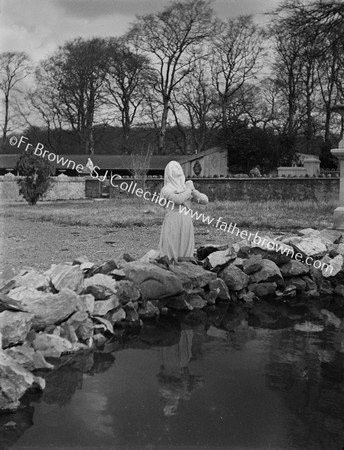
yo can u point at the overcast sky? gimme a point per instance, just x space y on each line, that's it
39 26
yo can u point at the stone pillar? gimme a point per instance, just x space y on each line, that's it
338 215
312 166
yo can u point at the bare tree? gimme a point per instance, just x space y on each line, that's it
234 57
197 98
127 74
76 73
14 67
171 38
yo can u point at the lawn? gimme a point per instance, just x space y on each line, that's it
128 211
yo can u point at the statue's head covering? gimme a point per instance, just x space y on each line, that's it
174 177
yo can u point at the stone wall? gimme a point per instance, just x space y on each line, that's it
64 188
253 189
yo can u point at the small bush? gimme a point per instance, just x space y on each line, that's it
37 172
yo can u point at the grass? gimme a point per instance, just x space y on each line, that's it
128 211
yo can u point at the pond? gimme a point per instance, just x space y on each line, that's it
236 377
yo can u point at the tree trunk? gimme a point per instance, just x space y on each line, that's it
163 126
4 134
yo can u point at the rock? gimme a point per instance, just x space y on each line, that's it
28 358
217 333
326 288
148 311
131 312
102 307
310 284
263 289
340 249
66 276
105 324
85 303
99 340
253 264
153 281
268 272
221 289
331 318
103 268
118 315
238 262
290 291
82 325
14 382
196 301
248 297
299 284
313 293
309 232
100 286
206 250
272 249
33 279
219 259
80 260
50 309
334 236
53 346
126 291
193 276
68 332
86 266
117 274
293 268
14 327
234 278
339 290
180 303
334 266
243 248
310 246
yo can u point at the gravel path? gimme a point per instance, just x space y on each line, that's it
26 243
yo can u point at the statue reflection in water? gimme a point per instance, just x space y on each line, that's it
175 380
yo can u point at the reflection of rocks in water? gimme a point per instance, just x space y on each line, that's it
165 333
309 375
175 380
67 377
14 425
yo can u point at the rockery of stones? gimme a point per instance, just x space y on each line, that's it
79 305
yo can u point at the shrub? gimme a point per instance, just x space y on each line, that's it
37 172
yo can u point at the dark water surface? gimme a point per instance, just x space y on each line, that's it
235 378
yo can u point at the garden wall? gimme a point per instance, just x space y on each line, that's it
64 188
255 189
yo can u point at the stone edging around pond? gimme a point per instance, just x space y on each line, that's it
79 305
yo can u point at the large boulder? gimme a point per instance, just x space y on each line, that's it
51 345
28 358
49 309
126 291
153 281
66 275
310 246
234 278
14 382
100 286
192 276
272 249
268 272
333 266
221 289
263 289
205 250
253 264
293 268
219 259
14 327
102 307
33 279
